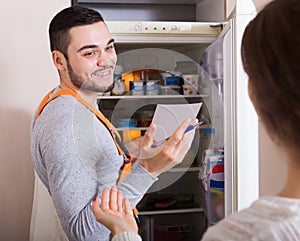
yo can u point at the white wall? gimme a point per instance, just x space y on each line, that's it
272 168
247 166
259 4
26 74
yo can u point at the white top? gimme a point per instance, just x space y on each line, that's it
269 218
126 236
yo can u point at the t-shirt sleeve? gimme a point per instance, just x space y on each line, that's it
126 236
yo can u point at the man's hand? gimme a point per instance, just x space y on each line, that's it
164 157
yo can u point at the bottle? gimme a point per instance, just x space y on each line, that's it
210 135
211 177
118 72
206 149
119 86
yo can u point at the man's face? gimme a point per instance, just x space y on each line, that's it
91 58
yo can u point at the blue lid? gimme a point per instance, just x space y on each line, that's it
209 130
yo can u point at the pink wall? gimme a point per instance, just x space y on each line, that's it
26 73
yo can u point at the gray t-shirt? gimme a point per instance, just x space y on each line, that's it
75 156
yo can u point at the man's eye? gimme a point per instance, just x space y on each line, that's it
110 47
91 53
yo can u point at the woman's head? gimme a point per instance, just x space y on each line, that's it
271 58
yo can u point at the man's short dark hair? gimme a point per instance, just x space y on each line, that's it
65 20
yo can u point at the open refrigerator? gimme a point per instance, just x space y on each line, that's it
183 204
180 205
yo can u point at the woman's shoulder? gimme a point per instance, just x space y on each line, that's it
257 220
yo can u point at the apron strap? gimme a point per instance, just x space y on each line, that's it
113 131
127 165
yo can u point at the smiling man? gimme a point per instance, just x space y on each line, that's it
75 149
87 59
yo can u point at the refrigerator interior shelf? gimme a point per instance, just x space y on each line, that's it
145 128
116 97
187 210
185 169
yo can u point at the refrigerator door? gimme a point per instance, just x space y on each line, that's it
216 55
247 157
218 62
229 123
240 120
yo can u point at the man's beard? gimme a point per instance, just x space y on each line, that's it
88 83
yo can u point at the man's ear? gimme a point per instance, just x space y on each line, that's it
59 60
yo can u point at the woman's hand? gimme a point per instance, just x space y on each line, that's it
114 212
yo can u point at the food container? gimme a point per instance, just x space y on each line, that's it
151 87
164 76
176 90
190 89
172 80
144 118
186 67
190 79
127 123
165 90
170 90
137 87
129 135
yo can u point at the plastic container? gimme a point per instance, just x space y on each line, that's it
137 87
119 88
172 80
190 89
215 185
129 135
165 90
118 72
190 79
169 90
186 67
144 118
127 123
151 87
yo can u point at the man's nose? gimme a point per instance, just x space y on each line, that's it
101 59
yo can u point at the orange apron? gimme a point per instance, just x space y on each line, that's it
126 168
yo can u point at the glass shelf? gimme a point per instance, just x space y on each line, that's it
131 128
184 169
145 128
186 210
116 97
